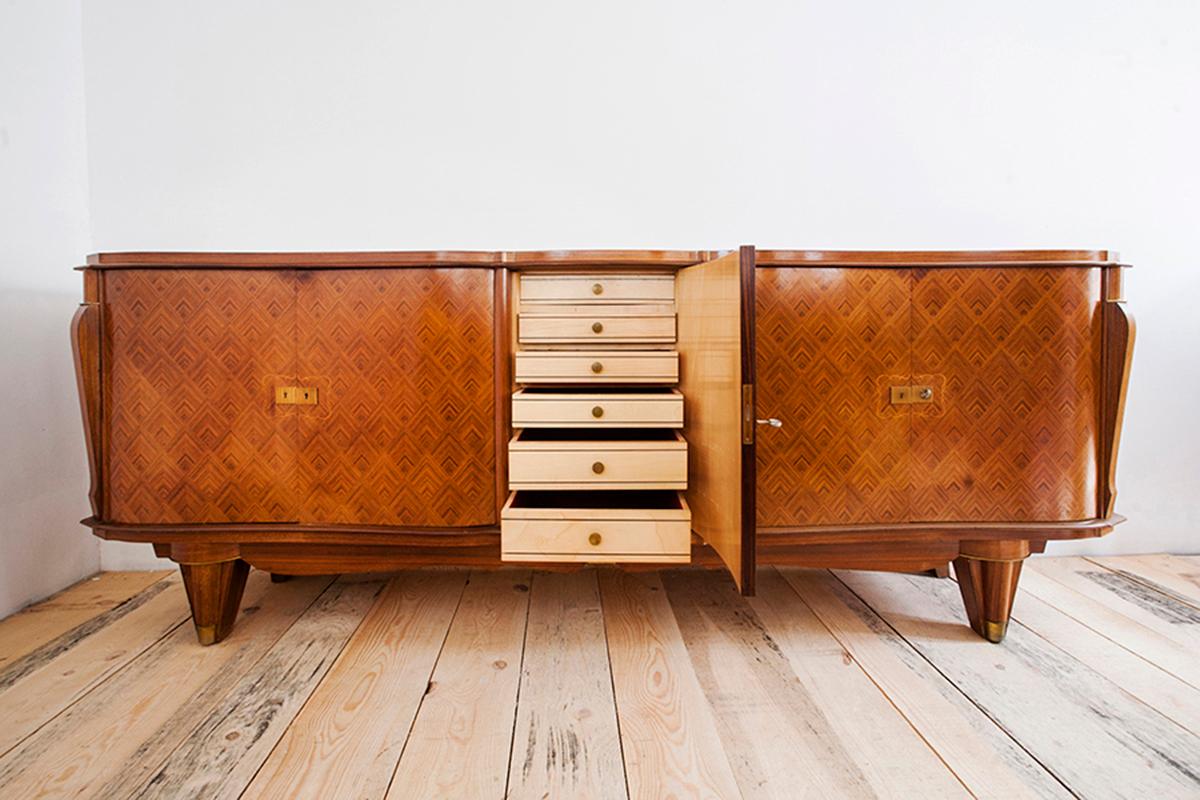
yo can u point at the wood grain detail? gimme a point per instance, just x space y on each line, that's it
225 750
85 349
829 343
1120 331
710 353
349 736
670 740
1012 435
193 433
566 741
460 742
405 430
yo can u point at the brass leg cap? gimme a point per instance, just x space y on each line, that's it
994 631
207 634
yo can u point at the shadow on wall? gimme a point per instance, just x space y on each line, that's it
43 472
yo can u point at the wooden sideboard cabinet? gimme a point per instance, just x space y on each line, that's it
309 413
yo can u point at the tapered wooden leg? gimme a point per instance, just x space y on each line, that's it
987 575
214 590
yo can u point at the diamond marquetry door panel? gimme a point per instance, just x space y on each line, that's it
404 429
193 431
829 343
1013 355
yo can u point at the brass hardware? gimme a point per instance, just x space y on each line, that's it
597 367
593 538
206 634
597 412
748 413
295 395
597 289
910 395
774 423
597 327
994 631
598 467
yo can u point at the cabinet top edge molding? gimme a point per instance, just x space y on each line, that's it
608 259
403 258
935 258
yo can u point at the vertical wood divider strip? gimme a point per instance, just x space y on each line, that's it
502 347
749 477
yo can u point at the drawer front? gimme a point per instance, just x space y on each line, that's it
597 469
596 329
582 411
597 288
597 541
597 367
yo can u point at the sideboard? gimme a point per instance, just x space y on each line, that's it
312 413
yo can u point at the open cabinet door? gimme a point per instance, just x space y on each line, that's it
715 304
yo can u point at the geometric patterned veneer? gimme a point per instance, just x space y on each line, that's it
1013 434
828 342
402 434
1012 354
193 431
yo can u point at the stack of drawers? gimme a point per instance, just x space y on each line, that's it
598 465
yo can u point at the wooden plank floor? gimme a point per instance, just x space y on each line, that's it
601 683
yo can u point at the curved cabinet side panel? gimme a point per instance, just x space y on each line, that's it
85 349
1120 330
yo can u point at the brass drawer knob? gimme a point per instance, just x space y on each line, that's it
597 289
598 467
926 393
593 539
597 412
597 327
597 367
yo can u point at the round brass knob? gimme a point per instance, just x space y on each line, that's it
598 467
597 412
597 327
597 289
926 393
597 367
593 538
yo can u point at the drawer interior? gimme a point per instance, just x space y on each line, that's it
660 500
614 392
551 435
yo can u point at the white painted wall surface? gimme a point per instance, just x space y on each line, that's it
440 124
43 232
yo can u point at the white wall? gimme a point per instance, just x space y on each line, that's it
360 125
43 233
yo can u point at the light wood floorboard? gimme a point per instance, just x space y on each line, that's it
599 683
461 740
1090 733
34 627
348 738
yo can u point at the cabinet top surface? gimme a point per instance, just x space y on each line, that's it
557 259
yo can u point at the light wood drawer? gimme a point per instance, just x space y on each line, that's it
553 408
595 329
596 527
597 366
598 288
608 459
